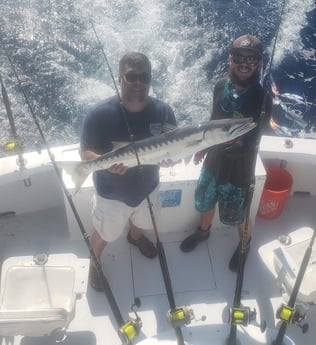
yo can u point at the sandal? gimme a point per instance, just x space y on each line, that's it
145 246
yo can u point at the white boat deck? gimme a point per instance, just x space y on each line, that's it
200 279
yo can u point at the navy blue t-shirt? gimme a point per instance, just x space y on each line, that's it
106 123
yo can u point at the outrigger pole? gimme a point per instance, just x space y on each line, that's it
239 314
177 316
127 330
288 313
15 144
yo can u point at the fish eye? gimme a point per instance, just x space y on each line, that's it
226 128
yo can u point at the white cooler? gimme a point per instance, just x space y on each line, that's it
284 256
38 294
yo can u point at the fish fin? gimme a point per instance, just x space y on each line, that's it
187 160
68 166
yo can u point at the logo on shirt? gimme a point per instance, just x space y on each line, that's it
155 128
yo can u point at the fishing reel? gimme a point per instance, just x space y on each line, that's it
180 316
292 316
132 327
243 316
10 146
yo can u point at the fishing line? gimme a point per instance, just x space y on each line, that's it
127 330
269 67
247 315
176 316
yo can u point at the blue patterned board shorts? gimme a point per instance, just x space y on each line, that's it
231 199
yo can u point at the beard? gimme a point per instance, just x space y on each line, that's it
244 83
134 96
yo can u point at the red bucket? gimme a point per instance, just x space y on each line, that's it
276 189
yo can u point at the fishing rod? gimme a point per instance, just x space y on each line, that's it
131 328
15 144
177 316
288 313
239 314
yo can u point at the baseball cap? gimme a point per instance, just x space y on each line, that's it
248 42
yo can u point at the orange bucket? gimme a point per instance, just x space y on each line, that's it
276 189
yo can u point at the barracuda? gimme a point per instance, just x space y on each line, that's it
176 144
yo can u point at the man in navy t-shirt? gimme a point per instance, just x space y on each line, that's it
120 198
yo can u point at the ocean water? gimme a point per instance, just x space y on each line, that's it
50 53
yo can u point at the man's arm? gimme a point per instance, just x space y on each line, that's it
87 154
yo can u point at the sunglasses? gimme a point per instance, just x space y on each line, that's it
249 59
132 77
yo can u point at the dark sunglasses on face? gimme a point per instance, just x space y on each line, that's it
249 59
132 77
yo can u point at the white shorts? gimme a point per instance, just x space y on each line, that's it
111 217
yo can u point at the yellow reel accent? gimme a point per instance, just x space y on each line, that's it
286 313
10 145
130 330
180 316
238 316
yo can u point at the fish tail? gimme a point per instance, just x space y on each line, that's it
76 171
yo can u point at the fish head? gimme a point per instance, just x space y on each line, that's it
224 130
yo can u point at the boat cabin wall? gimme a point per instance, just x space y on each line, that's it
35 187
29 191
